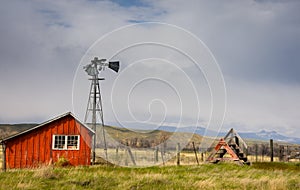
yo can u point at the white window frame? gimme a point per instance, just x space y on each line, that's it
65 144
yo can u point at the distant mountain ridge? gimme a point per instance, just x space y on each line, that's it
267 135
261 135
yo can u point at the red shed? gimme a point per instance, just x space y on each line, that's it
64 136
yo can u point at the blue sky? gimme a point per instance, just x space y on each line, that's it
130 3
256 44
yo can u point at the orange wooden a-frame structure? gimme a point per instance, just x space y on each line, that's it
233 145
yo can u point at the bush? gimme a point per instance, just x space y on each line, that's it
62 162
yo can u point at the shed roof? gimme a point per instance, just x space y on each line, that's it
45 123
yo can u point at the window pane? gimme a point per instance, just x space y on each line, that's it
59 142
72 142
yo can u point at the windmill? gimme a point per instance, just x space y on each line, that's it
94 105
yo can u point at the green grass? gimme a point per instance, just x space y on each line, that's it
206 176
277 166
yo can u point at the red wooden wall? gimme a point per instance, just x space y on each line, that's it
34 148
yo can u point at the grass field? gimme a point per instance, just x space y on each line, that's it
260 175
206 176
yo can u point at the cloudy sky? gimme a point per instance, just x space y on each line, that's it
255 43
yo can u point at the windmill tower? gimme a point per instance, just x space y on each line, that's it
94 106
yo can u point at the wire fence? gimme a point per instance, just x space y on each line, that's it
262 152
163 155
280 152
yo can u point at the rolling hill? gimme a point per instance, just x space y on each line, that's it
11 129
134 131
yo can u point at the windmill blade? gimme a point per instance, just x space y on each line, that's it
91 70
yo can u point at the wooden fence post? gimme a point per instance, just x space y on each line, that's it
178 153
195 152
287 153
272 150
126 157
117 154
263 147
162 157
256 152
131 156
156 155
281 153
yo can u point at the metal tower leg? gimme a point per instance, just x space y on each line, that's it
102 121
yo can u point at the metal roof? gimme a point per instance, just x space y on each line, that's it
46 122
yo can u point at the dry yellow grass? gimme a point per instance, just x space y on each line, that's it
269 176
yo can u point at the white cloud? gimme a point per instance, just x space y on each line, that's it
41 46
255 42
256 45
269 106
